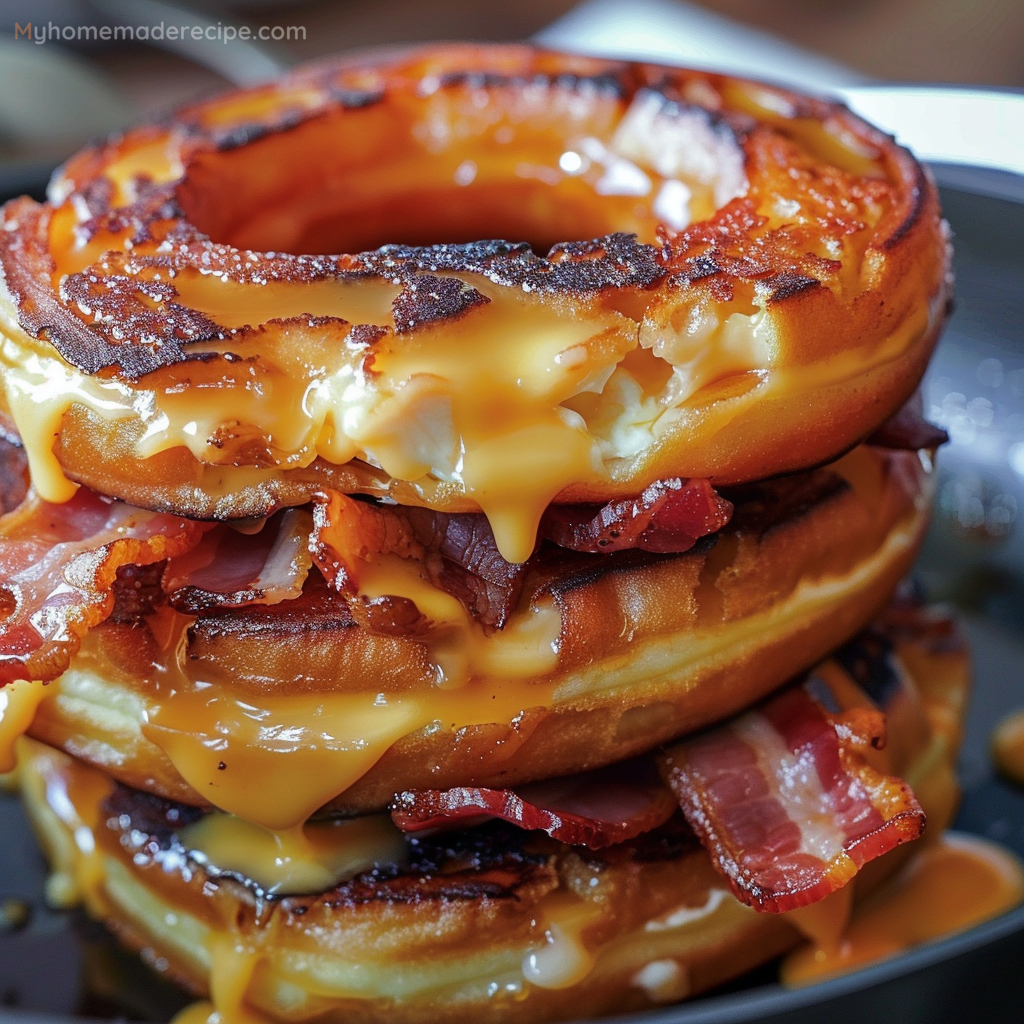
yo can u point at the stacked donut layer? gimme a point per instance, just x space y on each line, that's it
489 619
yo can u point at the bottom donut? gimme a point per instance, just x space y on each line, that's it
433 913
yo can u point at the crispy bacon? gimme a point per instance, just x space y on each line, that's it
229 568
58 564
454 553
463 559
785 803
348 536
593 809
668 516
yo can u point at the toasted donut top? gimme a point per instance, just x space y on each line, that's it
738 282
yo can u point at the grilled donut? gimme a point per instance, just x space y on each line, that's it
484 922
695 276
609 655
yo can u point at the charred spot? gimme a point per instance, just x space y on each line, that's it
91 348
130 809
481 80
136 591
609 262
97 194
153 203
492 861
363 335
136 326
242 135
354 99
730 125
395 262
318 609
696 268
868 660
918 196
603 84
788 283
428 299
618 258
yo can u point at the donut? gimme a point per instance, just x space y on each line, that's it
486 923
431 475
563 279
640 648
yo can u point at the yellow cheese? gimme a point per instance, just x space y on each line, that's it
308 858
563 958
275 759
953 883
18 703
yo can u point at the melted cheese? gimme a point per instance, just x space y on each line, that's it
232 966
309 858
1008 747
18 703
952 884
74 799
563 959
499 405
276 759
477 403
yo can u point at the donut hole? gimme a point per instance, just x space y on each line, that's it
461 166
366 207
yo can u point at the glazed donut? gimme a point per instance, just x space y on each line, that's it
639 649
486 923
700 277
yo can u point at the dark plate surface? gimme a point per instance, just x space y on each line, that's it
59 966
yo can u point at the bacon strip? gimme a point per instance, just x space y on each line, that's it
785 803
230 569
668 517
593 809
58 564
455 553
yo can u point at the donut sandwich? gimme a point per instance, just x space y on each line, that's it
454 504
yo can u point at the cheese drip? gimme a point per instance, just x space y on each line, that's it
563 958
953 883
18 703
275 759
509 404
308 858
74 796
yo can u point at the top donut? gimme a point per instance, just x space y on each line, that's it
468 277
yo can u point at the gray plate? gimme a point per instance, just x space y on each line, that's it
974 556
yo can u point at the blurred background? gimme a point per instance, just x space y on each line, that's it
61 82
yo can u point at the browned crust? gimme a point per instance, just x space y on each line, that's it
483 889
136 329
129 341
